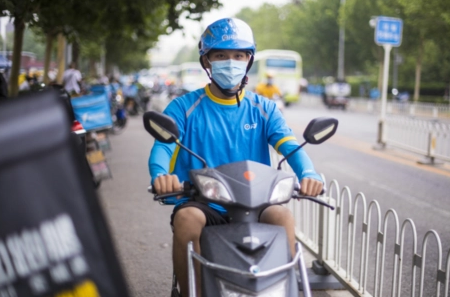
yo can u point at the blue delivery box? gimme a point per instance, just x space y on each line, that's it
93 111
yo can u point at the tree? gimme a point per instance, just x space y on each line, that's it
314 33
424 21
119 20
362 53
186 54
267 25
423 24
140 22
23 11
310 28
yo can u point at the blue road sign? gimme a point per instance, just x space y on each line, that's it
388 31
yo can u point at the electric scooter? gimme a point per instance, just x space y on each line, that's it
243 258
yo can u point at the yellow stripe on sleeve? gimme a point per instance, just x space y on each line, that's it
173 160
283 140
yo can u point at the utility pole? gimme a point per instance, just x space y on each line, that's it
341 74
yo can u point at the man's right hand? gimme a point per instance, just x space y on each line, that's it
167 184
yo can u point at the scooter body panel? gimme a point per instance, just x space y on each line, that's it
248 247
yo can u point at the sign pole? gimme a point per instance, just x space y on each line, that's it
388 33
381 125
387 55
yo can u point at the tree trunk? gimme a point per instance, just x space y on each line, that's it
48 56
76 52
92 68
61 58
19 28
418 71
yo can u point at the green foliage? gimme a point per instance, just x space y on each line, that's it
315 34
360 48
124 30
268 26
9 41
34 42
186 54
312 28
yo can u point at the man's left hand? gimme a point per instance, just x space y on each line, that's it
311 187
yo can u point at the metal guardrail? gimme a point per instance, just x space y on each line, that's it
322 232
425 110
403 129
428 138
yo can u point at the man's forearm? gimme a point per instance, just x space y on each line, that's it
159 161
299 161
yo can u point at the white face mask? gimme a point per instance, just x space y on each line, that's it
229 73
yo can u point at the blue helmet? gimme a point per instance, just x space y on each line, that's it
228 33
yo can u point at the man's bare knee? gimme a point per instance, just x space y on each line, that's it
277 215
188 223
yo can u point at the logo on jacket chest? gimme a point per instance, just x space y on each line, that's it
250 126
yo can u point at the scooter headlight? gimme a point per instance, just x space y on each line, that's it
229 290
213 189
282 191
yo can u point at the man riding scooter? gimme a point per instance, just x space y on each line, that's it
238 125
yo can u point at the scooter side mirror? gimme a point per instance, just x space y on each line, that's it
161 126
319 130
164 129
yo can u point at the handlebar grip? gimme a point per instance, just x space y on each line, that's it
297 188
187 186
186 190
164 196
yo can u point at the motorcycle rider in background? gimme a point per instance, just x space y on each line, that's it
268 89
223 123
271 91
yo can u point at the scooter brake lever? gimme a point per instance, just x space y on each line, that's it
311 198
314 199
167 195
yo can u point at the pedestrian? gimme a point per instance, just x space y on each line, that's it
214 122
72 80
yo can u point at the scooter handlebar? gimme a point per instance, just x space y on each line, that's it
187 191
298 196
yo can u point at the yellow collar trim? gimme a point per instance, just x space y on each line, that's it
223 101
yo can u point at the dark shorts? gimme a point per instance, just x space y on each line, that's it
213 217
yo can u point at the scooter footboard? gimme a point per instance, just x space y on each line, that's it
249 258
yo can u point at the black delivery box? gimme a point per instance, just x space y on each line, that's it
54 239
